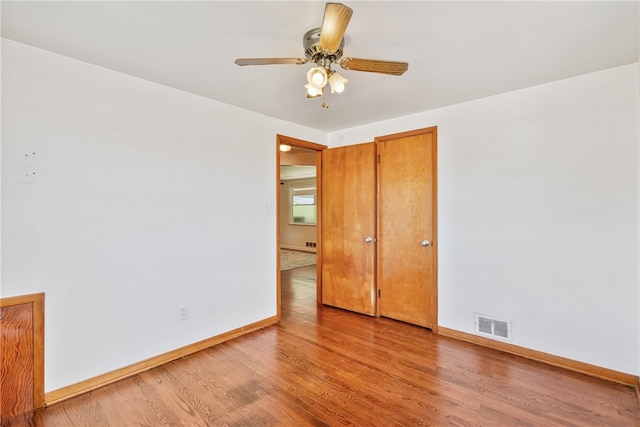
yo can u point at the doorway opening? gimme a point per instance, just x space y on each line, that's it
298 178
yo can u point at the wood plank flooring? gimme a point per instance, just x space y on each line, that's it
327 367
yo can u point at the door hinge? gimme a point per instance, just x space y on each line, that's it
378 158
378 293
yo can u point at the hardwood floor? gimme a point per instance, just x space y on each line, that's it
324 366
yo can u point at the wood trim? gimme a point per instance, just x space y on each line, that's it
299 248
21 299
434 207
279 140
432 129
90 384
37 301
549 359
376 263
294 142
38 351
319 227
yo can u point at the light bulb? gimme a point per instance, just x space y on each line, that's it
312 91
317 77
337 82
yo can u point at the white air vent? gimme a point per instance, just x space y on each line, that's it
492 327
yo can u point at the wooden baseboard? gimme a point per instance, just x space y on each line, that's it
561 362
90 384
299 248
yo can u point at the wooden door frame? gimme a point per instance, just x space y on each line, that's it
434 207
294 142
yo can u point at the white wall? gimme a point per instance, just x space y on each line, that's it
130 213
538 214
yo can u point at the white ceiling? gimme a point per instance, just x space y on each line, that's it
457 51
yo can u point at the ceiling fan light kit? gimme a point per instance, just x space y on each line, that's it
313 92
323 47
317 77
337 82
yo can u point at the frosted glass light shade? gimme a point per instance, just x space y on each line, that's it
312 91
317 77
337 82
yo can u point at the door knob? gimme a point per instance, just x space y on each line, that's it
370 239
425 243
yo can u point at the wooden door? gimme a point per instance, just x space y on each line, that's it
21 355
348 219
407 233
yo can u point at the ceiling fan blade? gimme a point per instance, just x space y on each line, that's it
374 66
270 61
334 24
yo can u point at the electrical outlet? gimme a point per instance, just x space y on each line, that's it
183 312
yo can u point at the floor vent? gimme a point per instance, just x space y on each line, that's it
492 327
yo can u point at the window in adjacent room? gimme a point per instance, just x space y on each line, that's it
303 205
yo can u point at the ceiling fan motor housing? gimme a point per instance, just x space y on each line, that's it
312 51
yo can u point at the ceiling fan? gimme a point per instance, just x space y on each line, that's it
323 47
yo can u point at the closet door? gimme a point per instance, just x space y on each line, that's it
348 227
407 233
